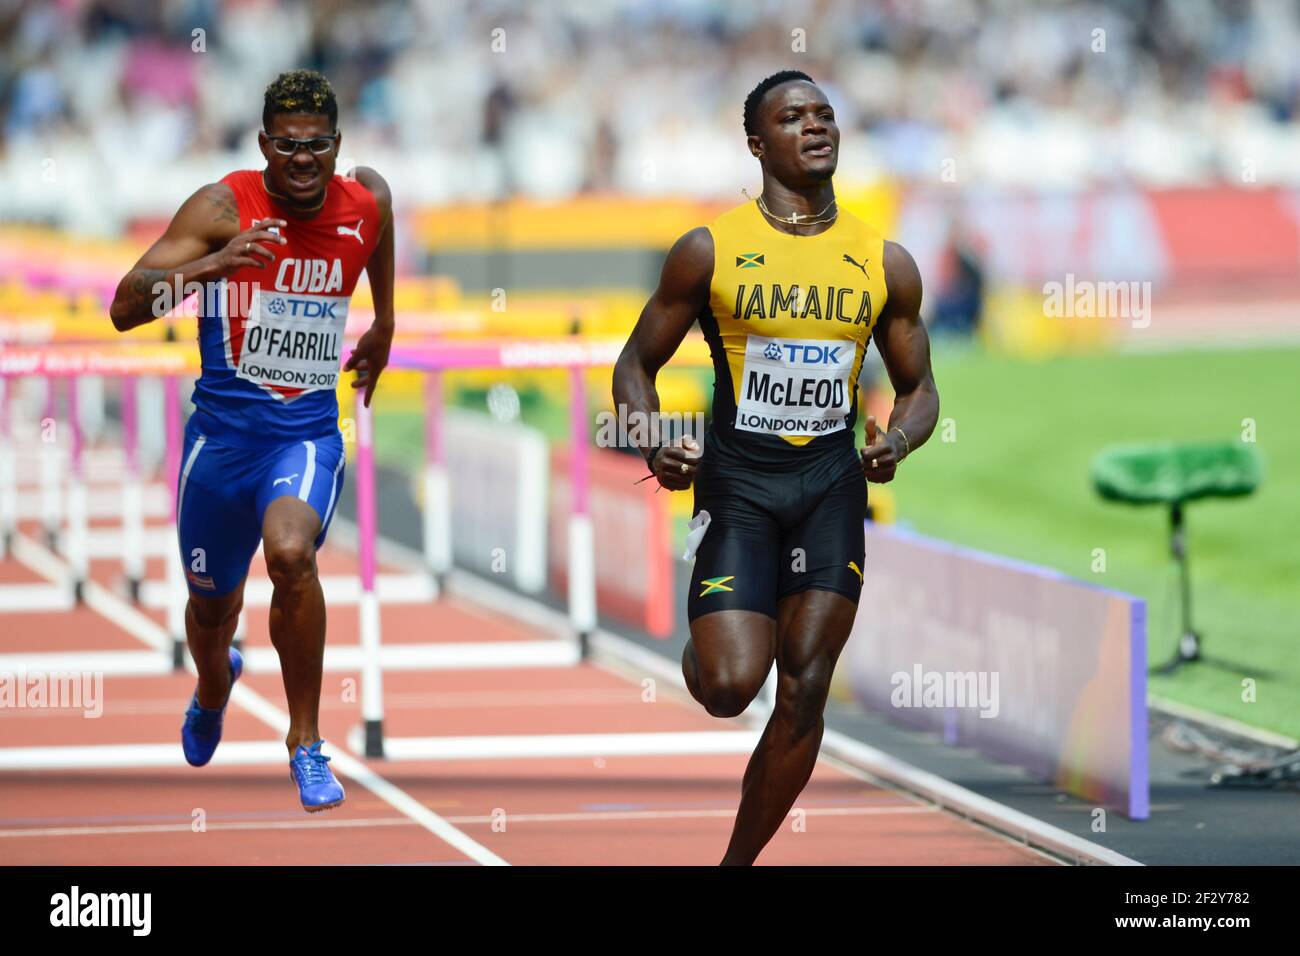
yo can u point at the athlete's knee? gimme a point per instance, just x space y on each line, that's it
290 561
215 614
728 695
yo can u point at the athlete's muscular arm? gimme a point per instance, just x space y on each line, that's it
202 243
900 335
683 293
370 357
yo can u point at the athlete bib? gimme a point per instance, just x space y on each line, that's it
293 340
795 386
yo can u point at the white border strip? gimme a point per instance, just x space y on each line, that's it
1227 725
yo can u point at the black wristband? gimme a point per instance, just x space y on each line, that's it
650 458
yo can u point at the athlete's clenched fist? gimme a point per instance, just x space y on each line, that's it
881 456
675 464
247 248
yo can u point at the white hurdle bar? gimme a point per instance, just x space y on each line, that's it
513 747
468 655
232 753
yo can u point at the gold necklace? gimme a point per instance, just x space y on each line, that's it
288 202
796 219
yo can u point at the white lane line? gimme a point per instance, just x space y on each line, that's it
150 632
326 824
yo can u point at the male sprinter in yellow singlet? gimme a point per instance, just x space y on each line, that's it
788 291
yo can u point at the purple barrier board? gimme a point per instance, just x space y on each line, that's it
1023 664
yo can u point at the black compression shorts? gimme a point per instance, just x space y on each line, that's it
777 531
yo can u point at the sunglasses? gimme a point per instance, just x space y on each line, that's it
287 147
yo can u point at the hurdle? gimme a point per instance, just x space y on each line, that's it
370 589
575 356
433 360
66 524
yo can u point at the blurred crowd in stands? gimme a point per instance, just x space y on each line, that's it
113 108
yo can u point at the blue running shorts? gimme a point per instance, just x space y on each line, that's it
223 493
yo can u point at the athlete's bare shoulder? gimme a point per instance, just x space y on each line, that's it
210 215
689 266
378 187
221 202
902 281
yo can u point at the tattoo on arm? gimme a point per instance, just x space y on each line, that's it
226 209
139 288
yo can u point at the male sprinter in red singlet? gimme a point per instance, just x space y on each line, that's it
788 290
278 252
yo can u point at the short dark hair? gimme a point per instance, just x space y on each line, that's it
756 95
300 91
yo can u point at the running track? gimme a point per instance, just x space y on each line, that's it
568 811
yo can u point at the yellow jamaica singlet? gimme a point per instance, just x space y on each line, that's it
788 325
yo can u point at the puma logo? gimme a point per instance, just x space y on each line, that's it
853 262
356 231
287 481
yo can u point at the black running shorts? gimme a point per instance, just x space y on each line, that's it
776 531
